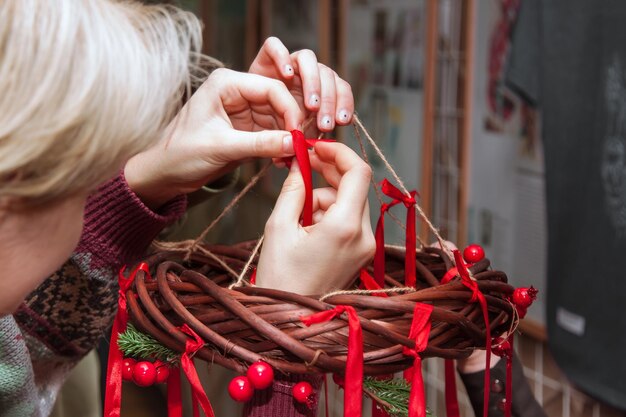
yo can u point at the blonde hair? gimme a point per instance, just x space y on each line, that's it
84 85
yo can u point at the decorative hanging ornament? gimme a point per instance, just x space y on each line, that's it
240 389
261 375
127 369
303 393
523 298
144 373
473 253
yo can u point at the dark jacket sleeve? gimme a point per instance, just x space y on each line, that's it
524 402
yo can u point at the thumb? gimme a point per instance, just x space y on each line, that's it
290 202
241 145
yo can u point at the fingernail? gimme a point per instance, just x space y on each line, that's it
288 69
288 144
344 116
327 122
314 100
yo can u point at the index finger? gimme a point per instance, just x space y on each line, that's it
355 179
257 89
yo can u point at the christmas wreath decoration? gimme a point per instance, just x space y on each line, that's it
409 304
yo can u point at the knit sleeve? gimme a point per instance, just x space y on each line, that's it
119 227
278 401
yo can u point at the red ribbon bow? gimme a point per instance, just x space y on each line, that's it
113 394
478 296
193 344
379 258
420 331
353 390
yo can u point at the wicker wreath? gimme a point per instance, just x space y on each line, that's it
248 323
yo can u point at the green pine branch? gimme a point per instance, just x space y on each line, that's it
391 394
136 344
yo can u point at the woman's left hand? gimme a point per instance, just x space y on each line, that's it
317 88
232 117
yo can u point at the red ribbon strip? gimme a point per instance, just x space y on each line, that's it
193 344
370 284
509 379
174 400
379 259
302 156
452 402
477 296
113 394
300 147
420 331
353 390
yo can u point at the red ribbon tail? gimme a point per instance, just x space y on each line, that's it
198 393
174 400
509 380
113 393
370 284
417 399
452 402
409 263
353 391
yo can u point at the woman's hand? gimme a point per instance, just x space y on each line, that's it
328 254
232 117
317 88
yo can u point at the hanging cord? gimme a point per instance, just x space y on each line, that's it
240 279
390 169
230 206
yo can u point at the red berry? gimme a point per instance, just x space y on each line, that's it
240 389
260 374
502 348
163 372
144 373
524 297
473 253
302 392
127 368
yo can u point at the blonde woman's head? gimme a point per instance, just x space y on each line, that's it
84 85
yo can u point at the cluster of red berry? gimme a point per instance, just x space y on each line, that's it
259 376
522 297
145 373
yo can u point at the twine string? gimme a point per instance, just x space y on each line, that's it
228 208
401 185
368 292
242 275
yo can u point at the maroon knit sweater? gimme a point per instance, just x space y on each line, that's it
64 318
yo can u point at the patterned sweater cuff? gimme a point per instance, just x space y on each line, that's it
119 227
278 401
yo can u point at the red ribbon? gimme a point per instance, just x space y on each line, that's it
302 156
420 331
353 390
452 402
113 394
477 296
379 258
370 284
253 277
509 379
193 344
174 400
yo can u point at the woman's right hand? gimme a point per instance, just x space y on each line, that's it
327 255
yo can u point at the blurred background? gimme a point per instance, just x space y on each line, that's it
430 83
